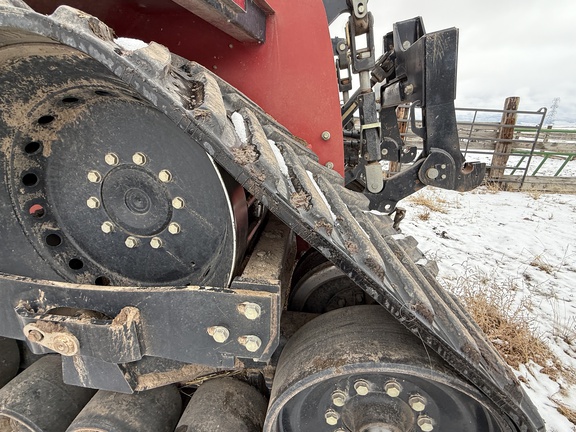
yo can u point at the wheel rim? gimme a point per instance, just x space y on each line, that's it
106 189
356 369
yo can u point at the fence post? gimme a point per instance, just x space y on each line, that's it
503 148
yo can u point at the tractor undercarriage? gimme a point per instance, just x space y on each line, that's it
148 216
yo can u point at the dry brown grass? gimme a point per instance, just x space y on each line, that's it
432 203
540 263
567 412
424 215
535 195
493 187
505 321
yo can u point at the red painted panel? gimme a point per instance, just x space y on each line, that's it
291 75
241 3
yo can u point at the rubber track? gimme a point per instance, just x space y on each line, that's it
310 200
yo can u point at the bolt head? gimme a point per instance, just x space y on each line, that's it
34 336
443 166
251 343
332 417
339 398
156 242
326 135
174 228
107 227
65 345
112 159
384 152
131 242
432 173
361 387
93 202
219 334
330 165
393 389
361 8
406 44
178 203
251 311
425 423
417 403
443 176
94 177
342 46
139 158
165 176
409 89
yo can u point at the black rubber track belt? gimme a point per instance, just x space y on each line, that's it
305 195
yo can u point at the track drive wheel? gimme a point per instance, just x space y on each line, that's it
356 369
99 186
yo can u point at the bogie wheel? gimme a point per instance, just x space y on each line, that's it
319 286
356 369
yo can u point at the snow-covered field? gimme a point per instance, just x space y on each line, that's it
518 238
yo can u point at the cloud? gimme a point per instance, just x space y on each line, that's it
507 48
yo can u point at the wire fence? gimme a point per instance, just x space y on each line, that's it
519 155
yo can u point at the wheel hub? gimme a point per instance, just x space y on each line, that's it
135 201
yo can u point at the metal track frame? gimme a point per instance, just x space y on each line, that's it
308 197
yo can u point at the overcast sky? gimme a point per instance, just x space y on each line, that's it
507 48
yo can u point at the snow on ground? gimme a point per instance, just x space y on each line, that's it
525 238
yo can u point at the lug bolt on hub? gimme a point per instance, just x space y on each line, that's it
94 177
107 227
361 387
219 333
131 242
332 417
339 398
165 176
174 228
425 423
139 158
417 403
112 159
393 389
156 242
93 202
178 203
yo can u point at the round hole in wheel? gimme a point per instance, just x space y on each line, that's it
53 240
37 211
29 179
32 147
103 93
44 120
70 99
75 264
102 281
